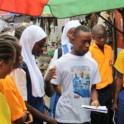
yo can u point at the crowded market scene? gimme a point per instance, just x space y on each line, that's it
61 62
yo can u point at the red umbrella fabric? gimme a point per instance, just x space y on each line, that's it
28 7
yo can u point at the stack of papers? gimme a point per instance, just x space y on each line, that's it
101 109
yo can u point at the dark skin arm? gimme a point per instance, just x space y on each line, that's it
94 96
21 120
59 91
26 119
118 87
50 88
39 116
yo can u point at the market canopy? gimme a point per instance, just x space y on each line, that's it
59 8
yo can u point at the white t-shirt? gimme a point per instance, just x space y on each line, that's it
19 77
76 74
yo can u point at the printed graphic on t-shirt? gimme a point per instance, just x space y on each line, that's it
81 80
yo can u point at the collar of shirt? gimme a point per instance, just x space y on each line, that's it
95 45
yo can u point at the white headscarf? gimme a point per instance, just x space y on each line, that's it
68 25
29 37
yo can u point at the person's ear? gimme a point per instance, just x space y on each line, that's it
1 63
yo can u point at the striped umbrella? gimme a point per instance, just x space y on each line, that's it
59 8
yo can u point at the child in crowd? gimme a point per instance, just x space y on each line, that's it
102 54
66 47
78 74
7 58
17 73
19 113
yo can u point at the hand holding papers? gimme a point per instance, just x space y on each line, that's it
101 109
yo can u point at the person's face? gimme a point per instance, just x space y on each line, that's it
81 74
18 59
81 42
100 38
6 67
69 34
39 47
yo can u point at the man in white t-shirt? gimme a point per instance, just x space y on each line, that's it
78 74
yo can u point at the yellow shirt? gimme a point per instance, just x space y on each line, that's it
5 116
13 96
119 64
104 61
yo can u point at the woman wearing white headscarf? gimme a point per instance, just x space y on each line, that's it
66 37
33 39
66 47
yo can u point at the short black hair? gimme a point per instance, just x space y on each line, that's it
98 28
80 28
18 32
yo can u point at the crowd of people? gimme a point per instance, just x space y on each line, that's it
79 74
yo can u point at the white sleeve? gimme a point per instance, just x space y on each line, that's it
96 75
58 77
19 77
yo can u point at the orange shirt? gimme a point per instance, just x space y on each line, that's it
104 61
13 96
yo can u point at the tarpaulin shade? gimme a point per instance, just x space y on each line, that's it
27 7
60 8
68 8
